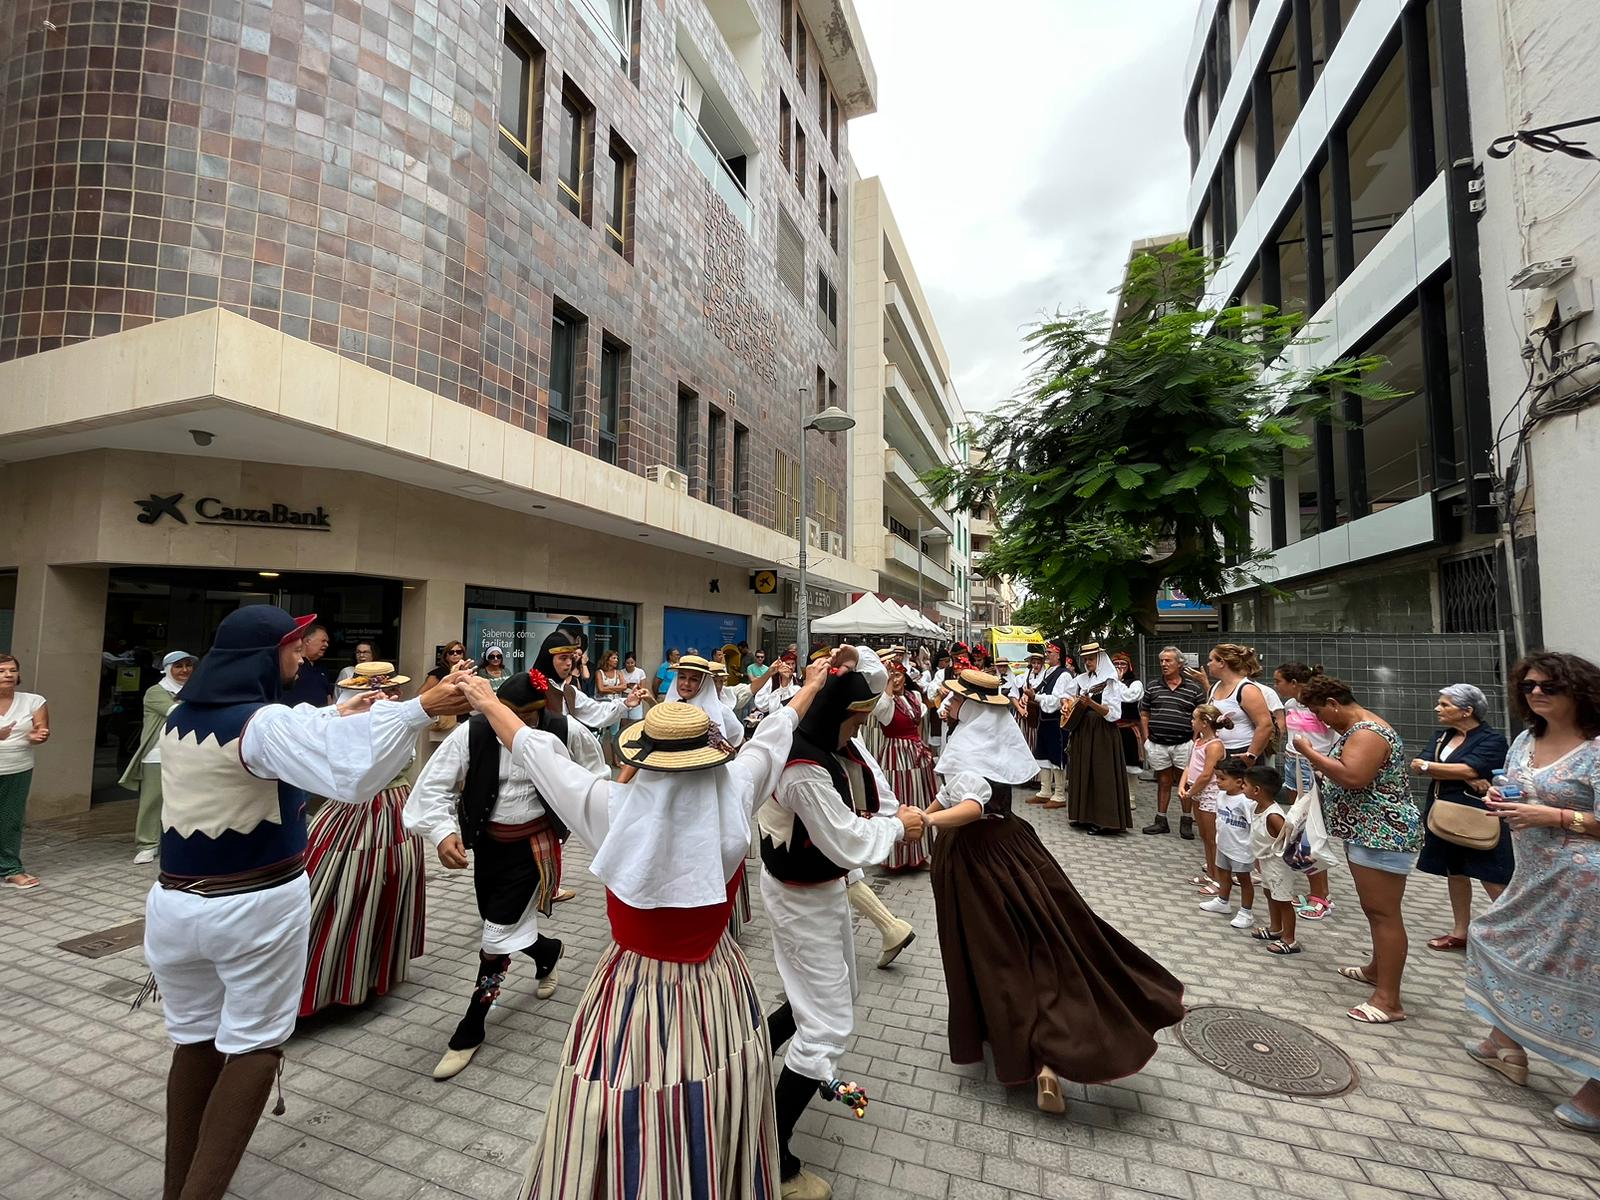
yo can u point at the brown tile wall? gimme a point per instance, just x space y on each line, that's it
331 168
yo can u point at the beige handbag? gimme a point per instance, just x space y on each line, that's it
1464 825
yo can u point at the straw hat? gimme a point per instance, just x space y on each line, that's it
1089 648
672 737
820 653
889 653
693 662
371 675
979 686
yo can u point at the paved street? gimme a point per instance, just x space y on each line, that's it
81 1077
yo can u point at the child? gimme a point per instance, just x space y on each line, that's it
1233 845
1261 786
1200 784
1300 721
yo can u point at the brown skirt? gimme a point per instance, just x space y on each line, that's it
1031 970
1097 780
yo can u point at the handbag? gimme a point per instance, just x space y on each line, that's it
1464 825
1302 843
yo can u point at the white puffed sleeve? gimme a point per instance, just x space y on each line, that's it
965 785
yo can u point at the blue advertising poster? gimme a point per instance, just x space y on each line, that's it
704 631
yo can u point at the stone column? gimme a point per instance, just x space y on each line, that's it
431 614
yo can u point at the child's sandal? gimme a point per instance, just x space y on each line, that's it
1282 947
1262 934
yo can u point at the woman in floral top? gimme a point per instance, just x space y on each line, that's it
1367 801
1533 960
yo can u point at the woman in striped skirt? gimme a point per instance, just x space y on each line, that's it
368 907
664 1088
906 760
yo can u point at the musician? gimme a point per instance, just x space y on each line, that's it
1097 792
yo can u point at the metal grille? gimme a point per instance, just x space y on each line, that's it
791 257
1467 594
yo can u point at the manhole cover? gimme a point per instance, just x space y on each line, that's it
1266 1052
107 941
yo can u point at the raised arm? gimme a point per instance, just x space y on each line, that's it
346 759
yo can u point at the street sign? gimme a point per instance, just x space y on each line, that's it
764 583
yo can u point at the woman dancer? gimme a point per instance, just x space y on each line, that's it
368 903
690 1115
1029 967
906 760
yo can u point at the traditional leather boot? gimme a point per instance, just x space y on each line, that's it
896 934
190 1079
235 1106
469 1034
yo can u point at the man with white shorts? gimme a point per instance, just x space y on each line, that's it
1165 713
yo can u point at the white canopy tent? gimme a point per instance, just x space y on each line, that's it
866 615
916 623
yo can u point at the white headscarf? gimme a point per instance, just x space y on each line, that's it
988 742
708 701
1096 670
167 663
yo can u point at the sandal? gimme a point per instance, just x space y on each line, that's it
1504 1060
1448 941
1282 947
1359 974
1049 1098
1371 1014
22 881
1262 934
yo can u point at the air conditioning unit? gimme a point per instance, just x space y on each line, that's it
668 477
813 533
833 543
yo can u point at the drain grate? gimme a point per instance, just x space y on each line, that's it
1266 1052
107 941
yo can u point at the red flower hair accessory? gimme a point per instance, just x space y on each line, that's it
537 678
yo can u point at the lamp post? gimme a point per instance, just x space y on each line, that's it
832 419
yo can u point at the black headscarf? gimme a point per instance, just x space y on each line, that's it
816 737
242 665
481 788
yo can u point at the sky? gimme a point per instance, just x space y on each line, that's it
1023 145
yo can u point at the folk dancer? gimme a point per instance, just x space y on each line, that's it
1041 708
515 843
691 1114
1029 967
1097 792
226 924
832 813
905 758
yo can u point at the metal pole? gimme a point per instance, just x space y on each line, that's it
802 630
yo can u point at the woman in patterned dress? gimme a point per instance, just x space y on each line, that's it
368 904
1533 959
906 760
1367 801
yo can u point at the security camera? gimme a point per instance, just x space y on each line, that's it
201 437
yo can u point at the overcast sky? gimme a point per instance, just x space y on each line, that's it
1023 145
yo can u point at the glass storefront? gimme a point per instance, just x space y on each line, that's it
518 622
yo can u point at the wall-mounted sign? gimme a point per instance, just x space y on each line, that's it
208 510
764 583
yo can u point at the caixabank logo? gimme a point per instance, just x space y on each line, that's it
210 510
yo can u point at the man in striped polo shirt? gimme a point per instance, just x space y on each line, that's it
1164 721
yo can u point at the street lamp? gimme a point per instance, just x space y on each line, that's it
832 419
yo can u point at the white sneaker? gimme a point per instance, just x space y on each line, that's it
1243 919
146 856
1216 905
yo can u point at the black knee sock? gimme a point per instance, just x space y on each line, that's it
794 1092
545 952
780 1026
491 974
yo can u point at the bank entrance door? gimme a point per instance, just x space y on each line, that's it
152 611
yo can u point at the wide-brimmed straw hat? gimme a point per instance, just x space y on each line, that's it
672 737
693 662
1089 648
371 675
979 686
820 652
889 653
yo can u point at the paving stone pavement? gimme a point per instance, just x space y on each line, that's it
81 1077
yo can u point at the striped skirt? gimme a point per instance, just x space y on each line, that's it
664 1091
909 765
368 908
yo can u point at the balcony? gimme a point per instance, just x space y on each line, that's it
709 159
897 551
906 426
898 471
843 48
920 360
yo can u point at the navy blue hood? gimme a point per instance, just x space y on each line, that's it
242 665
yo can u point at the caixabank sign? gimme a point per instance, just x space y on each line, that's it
211 510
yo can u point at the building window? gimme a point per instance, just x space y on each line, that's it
786 28
833 123
827 302
688 418
613 360
785 130
786 489
1379 147
619 220
822 100
565 343
833 394
833 218
714 439
577 117
521 90
822 200
800 66
800 159
741 471
822 389
827 501
612 23
791 257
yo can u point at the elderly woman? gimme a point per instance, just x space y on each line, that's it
144 770
1466 752
1531 958
1366 800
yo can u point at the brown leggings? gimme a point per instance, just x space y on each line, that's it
213 1103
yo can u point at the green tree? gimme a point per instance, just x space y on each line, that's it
1128 457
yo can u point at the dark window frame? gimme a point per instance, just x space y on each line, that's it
522 146
614 361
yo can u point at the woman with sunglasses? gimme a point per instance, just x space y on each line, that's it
452 656
494 667
1531 957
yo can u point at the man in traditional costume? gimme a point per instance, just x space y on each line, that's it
1097 792
227 922
832 813
514 839
1041 713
